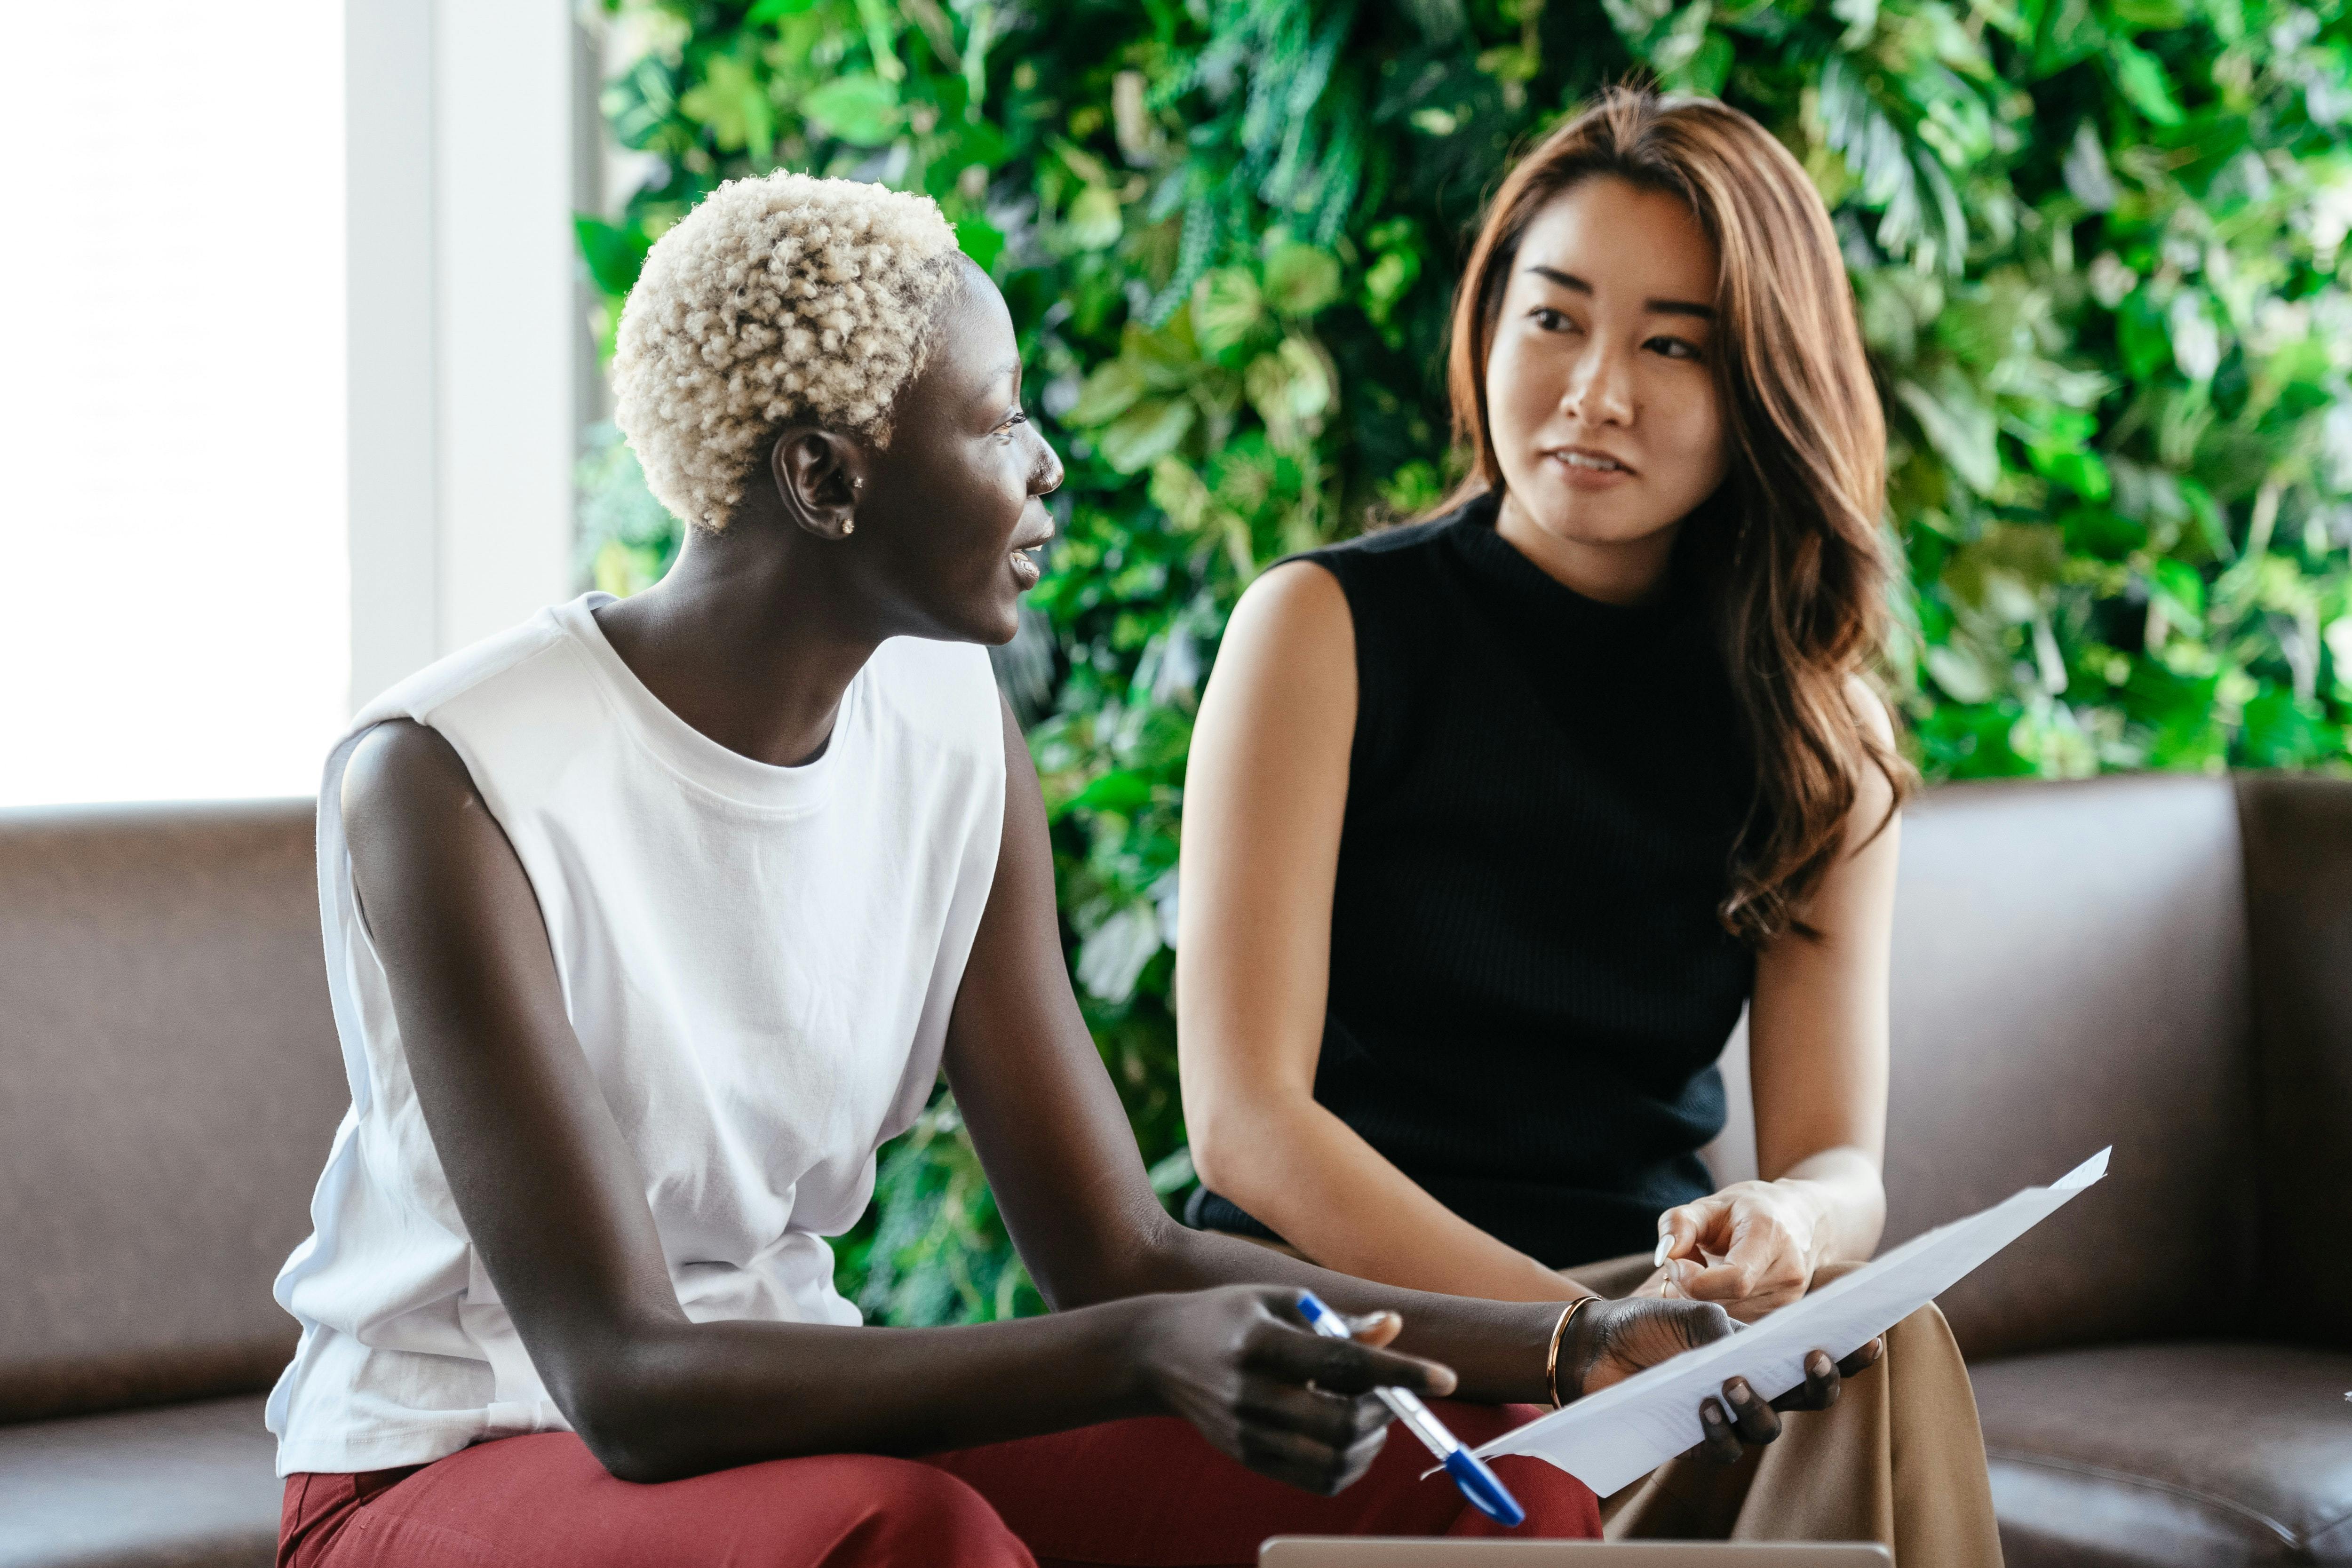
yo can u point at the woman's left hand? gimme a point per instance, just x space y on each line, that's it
1750 1248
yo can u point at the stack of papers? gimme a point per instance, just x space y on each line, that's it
1611 1439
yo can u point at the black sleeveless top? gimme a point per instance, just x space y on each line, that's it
1529 986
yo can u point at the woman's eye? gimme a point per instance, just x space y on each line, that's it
1674 347
1015 418
1549 319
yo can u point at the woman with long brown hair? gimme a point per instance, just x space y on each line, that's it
1496 824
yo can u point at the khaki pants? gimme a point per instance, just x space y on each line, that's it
1898 1459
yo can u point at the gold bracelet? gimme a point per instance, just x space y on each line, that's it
1559 1333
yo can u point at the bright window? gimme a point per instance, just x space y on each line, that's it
171 404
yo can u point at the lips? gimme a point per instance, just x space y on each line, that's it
1590 460
1031 536
1026 568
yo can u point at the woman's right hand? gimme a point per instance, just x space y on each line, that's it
1239 1364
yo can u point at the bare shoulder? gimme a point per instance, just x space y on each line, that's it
1871 710
1877 803
1295 612
1282 695
402 770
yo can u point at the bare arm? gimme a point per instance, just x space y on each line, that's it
1817 1031
1264 797
1063 1165
552 1198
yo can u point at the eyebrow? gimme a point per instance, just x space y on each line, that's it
1571 282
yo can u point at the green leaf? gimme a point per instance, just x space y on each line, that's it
1960 425
1178 489
1146 433
2182 593
2085 170
2097 531
1301 279
733 102
1094 223
1108 392
858 107
980 239
2154 16
1120 790
2281 730
1227 307
1111 960
2007 576
614 253
2141 79
1292 384
1388 281
1174 1174
2080 471
1964 673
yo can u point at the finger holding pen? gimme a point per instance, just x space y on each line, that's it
1235 1363
1479 1484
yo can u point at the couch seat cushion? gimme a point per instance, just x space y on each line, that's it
192 1486
2172 1454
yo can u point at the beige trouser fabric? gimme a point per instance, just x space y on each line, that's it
1898 1459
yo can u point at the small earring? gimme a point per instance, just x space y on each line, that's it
849 526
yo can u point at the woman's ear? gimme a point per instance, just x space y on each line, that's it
820 479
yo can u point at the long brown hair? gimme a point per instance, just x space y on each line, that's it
1789 551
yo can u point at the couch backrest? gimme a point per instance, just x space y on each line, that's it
2298 835
170 1083
2070 971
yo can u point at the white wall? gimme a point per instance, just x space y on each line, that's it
172 475
296 364
470 348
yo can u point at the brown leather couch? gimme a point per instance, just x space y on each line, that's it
2160 963
169 1082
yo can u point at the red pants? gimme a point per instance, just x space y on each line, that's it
1131 1494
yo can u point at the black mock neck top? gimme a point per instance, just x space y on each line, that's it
1529 986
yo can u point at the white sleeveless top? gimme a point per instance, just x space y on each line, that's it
759 963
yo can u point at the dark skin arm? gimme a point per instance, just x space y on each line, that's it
1026 1075
552 1197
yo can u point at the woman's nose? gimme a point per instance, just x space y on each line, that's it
1600 390
1046 477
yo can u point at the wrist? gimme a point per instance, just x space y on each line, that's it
1563 1359
1811 1208
1580 1348
1131 1334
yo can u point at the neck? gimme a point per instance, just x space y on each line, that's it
1630 572
749 639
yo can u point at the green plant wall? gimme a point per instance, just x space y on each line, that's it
2095 244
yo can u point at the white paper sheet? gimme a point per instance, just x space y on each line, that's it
1611 1439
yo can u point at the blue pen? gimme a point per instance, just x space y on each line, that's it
1480 1484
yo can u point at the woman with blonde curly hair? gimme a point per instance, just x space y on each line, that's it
647 922
1496 824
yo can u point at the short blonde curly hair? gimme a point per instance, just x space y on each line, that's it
777 300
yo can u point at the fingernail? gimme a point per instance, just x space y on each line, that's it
1665 1245
1738 1392
1711 1413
